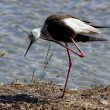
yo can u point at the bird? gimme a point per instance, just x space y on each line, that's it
63 29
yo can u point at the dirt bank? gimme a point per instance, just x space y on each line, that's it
44 96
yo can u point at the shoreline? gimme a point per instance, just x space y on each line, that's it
42 95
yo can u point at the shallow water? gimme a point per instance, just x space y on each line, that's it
18 17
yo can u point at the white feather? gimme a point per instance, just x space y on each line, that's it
36 33
80 27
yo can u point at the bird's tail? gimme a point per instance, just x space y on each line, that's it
100 26
86 38
96 39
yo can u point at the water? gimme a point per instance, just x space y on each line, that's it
17 17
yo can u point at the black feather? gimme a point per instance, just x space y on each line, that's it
86 38
100 26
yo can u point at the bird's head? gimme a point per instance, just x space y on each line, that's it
33 36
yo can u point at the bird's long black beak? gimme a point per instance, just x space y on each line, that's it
33 36
28 48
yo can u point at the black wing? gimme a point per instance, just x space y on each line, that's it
96 26
59 31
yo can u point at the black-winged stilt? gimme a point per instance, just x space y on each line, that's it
68 29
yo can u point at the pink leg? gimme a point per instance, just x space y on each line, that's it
81 54
70 64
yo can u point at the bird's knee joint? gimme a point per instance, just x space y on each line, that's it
82 55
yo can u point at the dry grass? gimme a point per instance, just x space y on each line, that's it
44 96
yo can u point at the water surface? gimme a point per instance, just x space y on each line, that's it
18 17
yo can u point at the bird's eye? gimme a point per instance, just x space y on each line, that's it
31 36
